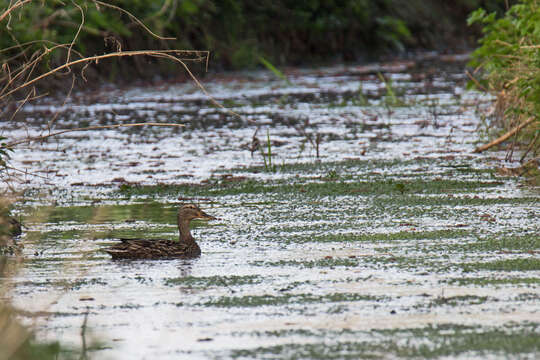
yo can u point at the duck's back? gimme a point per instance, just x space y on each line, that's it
153 249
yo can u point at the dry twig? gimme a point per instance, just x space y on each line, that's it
505 136
17 4
97 58
43 137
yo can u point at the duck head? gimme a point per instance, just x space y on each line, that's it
191 211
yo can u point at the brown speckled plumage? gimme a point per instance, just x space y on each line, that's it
185 248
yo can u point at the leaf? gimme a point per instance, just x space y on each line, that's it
476 16
273 69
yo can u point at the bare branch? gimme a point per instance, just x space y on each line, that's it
39 138
78 31
8 11
154 53
505 137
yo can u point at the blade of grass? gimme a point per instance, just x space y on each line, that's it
267 64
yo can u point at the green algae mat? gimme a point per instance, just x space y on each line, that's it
427 259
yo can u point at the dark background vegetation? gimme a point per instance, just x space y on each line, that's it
239 32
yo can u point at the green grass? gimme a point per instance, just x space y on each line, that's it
462 300
66 284
208 281
373 167
412 263
348 177
343 166
327 262
383 237
488 281
524 264
449 200
425 343
287 299
302 186
497 243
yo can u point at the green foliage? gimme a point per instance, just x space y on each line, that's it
239 33
510 59
393 31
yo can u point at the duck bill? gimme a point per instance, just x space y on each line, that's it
205 216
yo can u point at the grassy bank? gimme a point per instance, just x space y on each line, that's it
507 61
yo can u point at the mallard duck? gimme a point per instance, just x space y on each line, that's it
185 248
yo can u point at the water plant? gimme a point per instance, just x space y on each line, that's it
279 74
442 341
360 99
371 249
390 98
267 157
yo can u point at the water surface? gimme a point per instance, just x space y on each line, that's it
396 241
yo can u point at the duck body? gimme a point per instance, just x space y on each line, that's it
185 248
153 249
